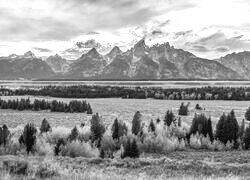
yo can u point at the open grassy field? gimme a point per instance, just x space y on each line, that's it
183 164
123 109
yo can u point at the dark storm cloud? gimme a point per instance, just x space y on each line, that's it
89 44
157 32
42 49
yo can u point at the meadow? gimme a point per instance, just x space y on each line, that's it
162 155
123 109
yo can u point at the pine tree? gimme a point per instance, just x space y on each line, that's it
115 130
183 110
28 137
74 134
242 129
45 126
247 114
202 125
136 123
210 129
151 127
227 128
179 122
97 128
169 118
158 120
134 150
247 138
60 142
4 134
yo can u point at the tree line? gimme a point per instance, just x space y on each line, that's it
88 91
53 106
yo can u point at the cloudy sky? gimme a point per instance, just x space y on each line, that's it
207 28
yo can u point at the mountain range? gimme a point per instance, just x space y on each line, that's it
160 61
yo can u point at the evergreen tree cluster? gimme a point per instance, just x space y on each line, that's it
202 125
90 91
227 128
54 106
97 128
130 149
118 129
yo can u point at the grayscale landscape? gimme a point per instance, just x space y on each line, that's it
124 89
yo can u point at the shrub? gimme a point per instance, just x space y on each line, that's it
169 118
179 122
4 134
183 110
136 123
97 128
115 129
43 147
151 127
130 149
45 126
28 137
247 114
202 125
46 170
161 143
198 107
16 167
74 134
79 149
158 120
247 138
108 146
227 128
61 142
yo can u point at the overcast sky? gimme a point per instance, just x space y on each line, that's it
207 28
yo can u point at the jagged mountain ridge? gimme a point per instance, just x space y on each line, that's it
160 61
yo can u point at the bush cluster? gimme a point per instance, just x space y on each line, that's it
95 140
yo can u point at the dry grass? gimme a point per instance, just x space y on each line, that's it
124 109
176 165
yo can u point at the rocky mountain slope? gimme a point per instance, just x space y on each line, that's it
160 61
239 62
26 66
57 63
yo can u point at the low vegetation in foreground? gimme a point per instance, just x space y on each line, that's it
167 146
